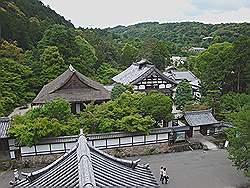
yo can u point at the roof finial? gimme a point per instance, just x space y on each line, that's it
71 68
81 131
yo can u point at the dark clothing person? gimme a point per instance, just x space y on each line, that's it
161 173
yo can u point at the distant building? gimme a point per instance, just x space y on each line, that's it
177 61
179 75
74 88
85 166
144 76
4 146
196 49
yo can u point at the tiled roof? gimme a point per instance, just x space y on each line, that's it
199 118
88 90
4 126
138 71
85 166
179 75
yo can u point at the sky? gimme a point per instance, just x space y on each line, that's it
110 13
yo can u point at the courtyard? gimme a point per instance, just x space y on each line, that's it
191 169
197 169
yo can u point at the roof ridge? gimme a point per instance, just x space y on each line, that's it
199 111
85 169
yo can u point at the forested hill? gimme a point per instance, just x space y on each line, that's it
46 44
26 20
184 34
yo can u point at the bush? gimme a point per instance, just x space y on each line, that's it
118 89
51 119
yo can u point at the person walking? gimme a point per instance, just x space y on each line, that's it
161 173
16 176
164 176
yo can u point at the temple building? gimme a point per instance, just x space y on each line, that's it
144 76
179 75
203 122
86 166
74 88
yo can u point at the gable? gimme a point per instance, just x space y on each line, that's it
74 83
153 77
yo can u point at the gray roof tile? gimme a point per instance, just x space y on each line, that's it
179 75
85 166
137 72
199 118
4 126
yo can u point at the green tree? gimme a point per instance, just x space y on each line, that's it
15 78
157 105
183 94
51 119
156 52
52 64
233 102
129 54
61 37
135 123
239 78
105 72
86 53
239 139
120 114
118 89
213 66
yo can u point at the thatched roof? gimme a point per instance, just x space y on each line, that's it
73 87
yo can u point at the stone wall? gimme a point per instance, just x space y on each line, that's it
29 162
151 149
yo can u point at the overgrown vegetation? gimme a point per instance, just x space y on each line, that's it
184 94
101 54
130 112
239 138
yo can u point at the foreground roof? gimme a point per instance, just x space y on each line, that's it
199 118
137 72
85 166
4 126
73 87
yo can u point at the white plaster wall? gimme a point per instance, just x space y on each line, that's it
114 141
151 138
98 143
42 148
138 139
55 147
